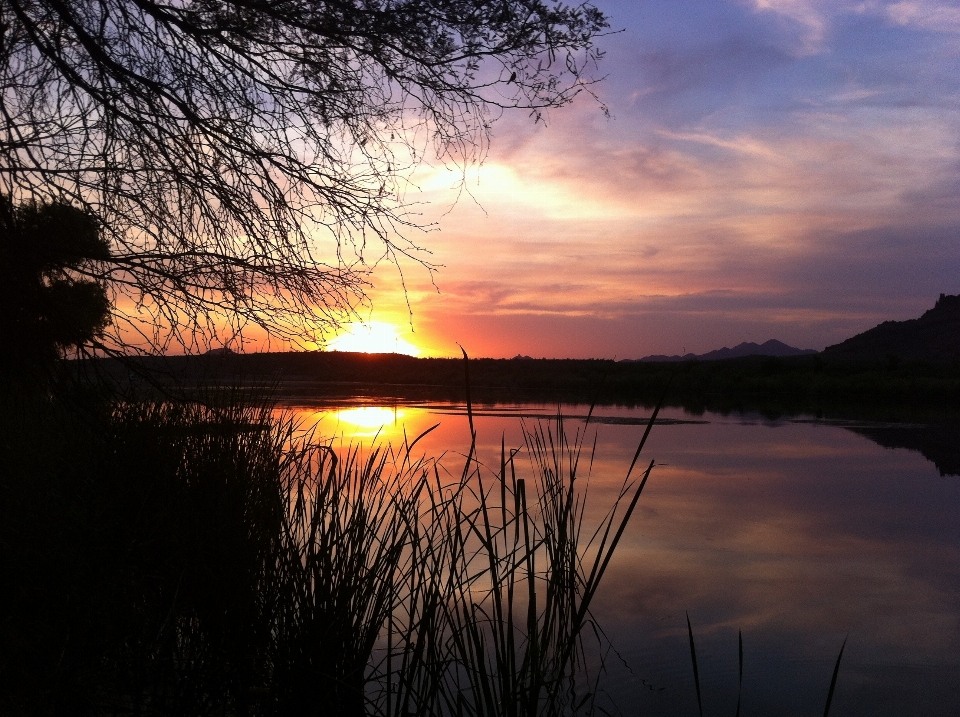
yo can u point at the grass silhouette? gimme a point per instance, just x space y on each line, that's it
203 557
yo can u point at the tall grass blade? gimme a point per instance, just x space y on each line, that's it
466 383
696 671
653 419
833 680
740 673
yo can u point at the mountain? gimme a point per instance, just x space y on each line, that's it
935 336
768 348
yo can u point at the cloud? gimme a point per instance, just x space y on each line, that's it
695 282
924 14
743 144
823 169
715 65
743 191
807 18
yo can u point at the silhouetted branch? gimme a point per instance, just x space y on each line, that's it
247 158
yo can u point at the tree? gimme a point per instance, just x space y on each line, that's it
247 158
47 304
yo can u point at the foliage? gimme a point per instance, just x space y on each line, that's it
219 141
48 303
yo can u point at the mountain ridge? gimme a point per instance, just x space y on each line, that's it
934 336
767 348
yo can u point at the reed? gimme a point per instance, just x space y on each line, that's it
410 593
696 672
203 557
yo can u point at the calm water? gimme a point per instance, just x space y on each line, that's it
796 532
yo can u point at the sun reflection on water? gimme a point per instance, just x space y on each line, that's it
384 423
369 416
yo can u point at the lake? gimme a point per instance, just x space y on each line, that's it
796 531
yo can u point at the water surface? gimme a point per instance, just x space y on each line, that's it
797 532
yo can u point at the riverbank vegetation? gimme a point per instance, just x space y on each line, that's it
890 389
204 557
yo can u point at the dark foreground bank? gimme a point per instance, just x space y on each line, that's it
197 558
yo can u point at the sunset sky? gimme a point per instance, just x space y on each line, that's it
780 169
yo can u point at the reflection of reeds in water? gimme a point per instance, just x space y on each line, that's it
201 558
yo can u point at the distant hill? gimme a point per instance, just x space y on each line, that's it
768 348
935 336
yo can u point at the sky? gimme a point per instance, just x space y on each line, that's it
770 169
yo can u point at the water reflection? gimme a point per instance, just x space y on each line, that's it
939 444
365 418
356 423
796 532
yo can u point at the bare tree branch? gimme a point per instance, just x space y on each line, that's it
247 157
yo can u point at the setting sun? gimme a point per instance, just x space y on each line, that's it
374 337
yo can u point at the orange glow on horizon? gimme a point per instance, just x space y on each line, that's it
374 337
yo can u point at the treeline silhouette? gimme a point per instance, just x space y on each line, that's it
889 389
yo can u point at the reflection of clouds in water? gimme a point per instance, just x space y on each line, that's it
797 548
797 534
794 547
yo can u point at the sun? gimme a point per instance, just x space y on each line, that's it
373 337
